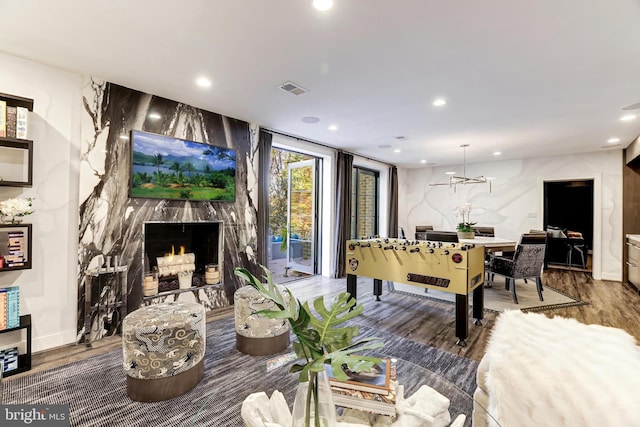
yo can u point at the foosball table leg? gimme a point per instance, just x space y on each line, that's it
352 285
377 288
462 319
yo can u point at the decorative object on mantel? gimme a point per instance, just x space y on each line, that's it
12 210
320 341
454 180
465 228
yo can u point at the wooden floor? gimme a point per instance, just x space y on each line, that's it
430 322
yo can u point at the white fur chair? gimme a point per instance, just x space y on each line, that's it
539 371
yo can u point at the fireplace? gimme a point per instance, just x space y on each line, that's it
183 255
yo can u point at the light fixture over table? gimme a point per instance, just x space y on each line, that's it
454 180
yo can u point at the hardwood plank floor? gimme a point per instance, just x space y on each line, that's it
426 321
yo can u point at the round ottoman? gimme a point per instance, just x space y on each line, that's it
163 347
257 335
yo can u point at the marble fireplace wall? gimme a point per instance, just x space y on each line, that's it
111 223
515 204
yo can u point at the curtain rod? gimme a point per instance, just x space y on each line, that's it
275 132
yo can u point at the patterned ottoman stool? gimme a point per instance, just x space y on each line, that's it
257 335
163 347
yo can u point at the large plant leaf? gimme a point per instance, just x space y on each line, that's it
342 308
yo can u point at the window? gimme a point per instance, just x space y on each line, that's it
364 201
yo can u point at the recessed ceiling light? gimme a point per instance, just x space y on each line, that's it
628 117
439 102
497 153
397 150
203 82
154 116
613 140
384 146
333 128
310 119
450 173
323 4
423 161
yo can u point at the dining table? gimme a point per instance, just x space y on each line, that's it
492 244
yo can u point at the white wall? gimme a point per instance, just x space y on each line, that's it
515 205
49 290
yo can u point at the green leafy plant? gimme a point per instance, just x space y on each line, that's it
321 339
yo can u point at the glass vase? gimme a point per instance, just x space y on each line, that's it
313 405
10 219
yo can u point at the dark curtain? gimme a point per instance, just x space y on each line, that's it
264 168
344 170
393 202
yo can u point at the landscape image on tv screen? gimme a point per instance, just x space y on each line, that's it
163 167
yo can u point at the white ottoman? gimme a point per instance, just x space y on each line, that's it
257 335
163 349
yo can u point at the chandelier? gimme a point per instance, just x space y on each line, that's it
454 180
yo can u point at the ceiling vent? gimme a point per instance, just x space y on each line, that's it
293 88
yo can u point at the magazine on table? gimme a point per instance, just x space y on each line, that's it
377 380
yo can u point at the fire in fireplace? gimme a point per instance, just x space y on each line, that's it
197 263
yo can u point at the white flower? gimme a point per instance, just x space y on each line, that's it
16 207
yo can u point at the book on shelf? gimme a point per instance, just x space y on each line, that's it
13 306
22 115
3 309
3 118
378 380
12 122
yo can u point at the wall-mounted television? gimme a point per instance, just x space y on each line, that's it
163 167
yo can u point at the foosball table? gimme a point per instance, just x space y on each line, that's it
449 267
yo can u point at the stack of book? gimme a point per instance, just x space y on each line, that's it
17 247
9 307
373 392
13 121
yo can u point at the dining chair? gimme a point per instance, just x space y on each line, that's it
484 231
442 236
421 231
526 263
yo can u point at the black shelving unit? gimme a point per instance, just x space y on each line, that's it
8 144
24 360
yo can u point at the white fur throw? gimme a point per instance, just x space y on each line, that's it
560 372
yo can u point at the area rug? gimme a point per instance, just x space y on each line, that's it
95 388
498 299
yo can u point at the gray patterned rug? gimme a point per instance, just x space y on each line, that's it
95 388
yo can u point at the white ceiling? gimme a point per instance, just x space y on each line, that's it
527 78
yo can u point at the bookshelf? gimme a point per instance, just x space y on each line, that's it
16 152
24 359
15 247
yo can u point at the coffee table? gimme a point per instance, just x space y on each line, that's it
412 376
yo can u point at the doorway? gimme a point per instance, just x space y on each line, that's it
569 217
293 244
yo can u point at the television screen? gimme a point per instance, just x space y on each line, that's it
163 167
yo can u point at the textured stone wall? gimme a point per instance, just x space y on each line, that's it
111 223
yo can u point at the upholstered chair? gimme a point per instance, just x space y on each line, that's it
421 231
442 236
526 263
484 231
